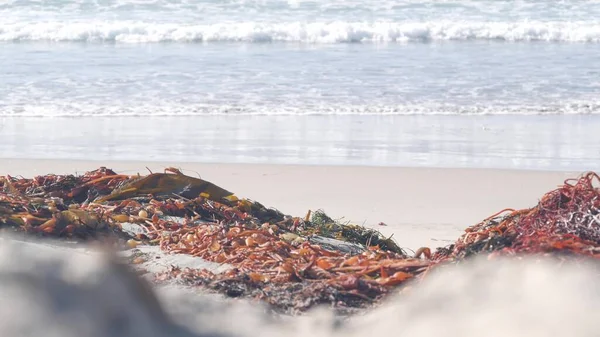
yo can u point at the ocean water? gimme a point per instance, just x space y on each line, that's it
373 78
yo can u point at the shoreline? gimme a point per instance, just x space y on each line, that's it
559 143
58 162
419 206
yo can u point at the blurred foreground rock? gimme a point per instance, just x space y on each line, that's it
49 290
54 291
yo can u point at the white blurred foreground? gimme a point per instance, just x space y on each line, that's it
55 291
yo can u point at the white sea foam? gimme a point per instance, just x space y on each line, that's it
299 32
173 109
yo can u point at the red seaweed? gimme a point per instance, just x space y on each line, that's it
272 256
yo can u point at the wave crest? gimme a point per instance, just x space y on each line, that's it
317 32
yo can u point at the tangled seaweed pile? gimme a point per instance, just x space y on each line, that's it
272 255
290 262
565 222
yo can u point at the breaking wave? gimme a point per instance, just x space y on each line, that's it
300 32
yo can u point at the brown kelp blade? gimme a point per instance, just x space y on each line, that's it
167 184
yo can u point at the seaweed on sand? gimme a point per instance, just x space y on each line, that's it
184 215
566 221
323 225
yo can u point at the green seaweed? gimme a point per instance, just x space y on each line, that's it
323 225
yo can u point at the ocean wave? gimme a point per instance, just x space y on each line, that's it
186 110
301 32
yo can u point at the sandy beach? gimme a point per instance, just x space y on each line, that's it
420 206
53 283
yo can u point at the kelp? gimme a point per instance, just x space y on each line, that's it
167 184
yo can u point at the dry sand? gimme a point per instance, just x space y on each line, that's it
59 292
421 206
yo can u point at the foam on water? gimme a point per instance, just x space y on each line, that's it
301 32
166 109
327 21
